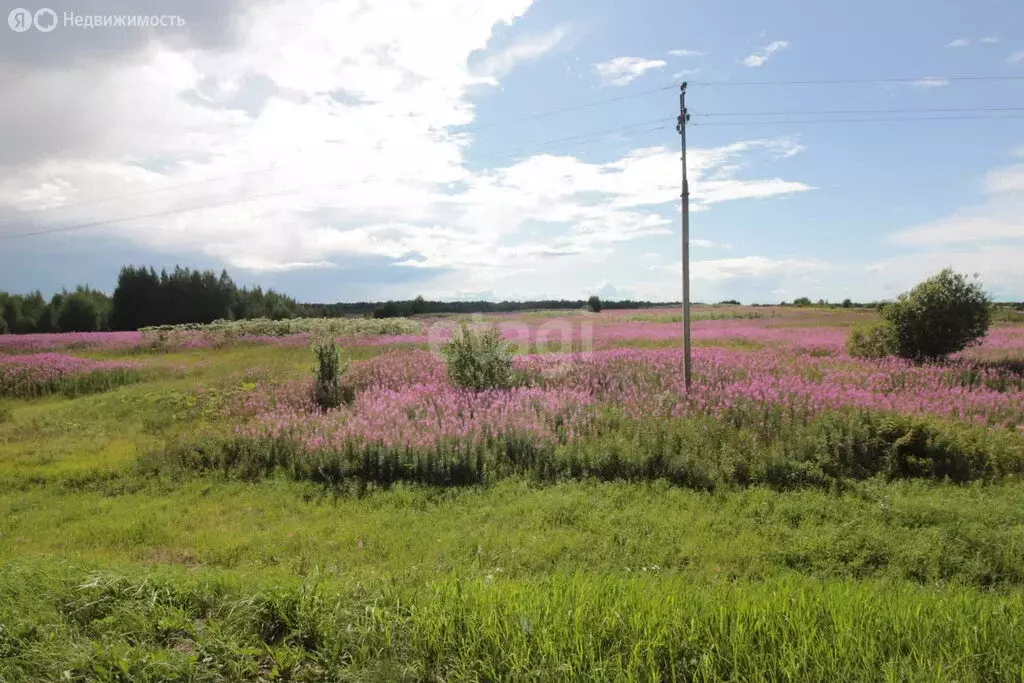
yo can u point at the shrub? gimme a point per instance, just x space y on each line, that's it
847 303
327 374
872 341
944 314
479 360
594 304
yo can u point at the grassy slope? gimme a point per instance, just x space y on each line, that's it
110 576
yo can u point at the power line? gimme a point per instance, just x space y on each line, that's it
553 112
859 120
142 193
243 174
579 139
863 111
571 108
861 81
663 121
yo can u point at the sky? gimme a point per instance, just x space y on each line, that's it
516 149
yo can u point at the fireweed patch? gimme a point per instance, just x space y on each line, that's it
782 415
33 375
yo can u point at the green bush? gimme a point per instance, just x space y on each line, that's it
944 314
594 304
327 374
479 360
872 341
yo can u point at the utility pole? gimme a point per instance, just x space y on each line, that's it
681 127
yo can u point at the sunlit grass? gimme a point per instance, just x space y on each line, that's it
916 533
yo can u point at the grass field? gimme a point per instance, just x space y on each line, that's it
801 516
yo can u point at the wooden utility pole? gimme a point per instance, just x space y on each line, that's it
681 127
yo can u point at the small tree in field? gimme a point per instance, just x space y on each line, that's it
327 373
942 315
594 304
479 360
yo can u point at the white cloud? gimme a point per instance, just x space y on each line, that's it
258 263
1009 179
709 244
756 59
716 270
624 70
990 40
999 268
686 53
987 238
983 224
931 82
751 266
352 150
959 42
996 219
1016 57
526 49
685 72
586 208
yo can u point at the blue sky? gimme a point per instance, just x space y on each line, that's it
348 151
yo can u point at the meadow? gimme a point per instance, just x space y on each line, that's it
175 506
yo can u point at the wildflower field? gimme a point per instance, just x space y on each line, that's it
175 506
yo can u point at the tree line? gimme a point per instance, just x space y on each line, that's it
83 310
421 306
144 297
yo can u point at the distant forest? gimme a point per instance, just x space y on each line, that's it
144 298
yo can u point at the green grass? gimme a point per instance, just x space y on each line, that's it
605 581
171 625
112 572
970 536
